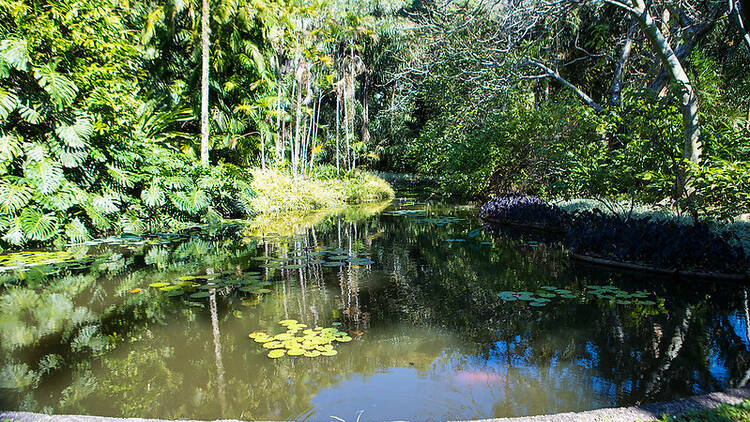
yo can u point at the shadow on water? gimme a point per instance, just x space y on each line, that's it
415 287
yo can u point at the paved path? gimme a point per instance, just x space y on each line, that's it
647 412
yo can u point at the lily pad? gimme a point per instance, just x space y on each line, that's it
200 295
334 264
160 284
277 353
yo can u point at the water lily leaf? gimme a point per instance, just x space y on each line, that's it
161 284
537 304
273 345
343 339
296 352
312 354
174 293
334 264
169 288
288 321
623 302
186 278
277 353
329 353
474 233
200 295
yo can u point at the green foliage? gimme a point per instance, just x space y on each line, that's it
80 156
723 413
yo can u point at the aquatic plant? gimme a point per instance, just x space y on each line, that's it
545 294
661 244
524 209
312 343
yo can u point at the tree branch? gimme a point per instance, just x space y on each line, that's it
553 74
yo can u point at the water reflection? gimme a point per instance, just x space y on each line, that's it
416 291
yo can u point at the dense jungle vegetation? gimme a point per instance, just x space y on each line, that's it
150 115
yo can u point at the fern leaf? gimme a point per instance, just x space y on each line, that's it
76 135
46 175
191 202
15 53
122 177
61 90
34 151
73 158
99 220
10 147
14 235
177 182
76 231
153 196
131 222
66 197
29 114
105 204
8 103
38 226
13 196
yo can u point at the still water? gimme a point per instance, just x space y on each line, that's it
416 288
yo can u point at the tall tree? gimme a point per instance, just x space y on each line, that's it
205 44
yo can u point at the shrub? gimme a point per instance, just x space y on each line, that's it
662 244
524 209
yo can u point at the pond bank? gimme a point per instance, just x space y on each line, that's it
619 414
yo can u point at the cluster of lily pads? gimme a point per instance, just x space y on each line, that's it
619 296
200 286
420 217
469 236
407 213
321 255
29 259
539 298
312 343
546 293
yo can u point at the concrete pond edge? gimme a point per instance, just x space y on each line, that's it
646 412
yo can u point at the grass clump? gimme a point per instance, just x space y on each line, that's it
277 191
724 413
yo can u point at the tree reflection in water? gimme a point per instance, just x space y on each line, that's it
432 339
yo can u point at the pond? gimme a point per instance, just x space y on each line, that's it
431 317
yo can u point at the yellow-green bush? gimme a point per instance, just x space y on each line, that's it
277 191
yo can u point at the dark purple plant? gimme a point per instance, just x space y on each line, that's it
663 244
524 209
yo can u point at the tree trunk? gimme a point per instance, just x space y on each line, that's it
365 133
297 117
740 22
670 61
262 150
338 165
279 132
204 84
689 101
615 99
